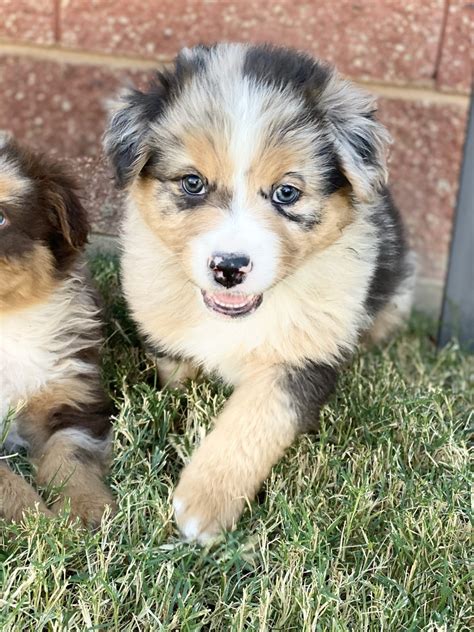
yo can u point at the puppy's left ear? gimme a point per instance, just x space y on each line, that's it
360 140
67 215
125 137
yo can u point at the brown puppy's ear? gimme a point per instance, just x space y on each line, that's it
68 218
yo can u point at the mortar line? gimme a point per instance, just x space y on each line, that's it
58 54
442 37
57 19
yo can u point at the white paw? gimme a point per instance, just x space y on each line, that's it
191 526
210 495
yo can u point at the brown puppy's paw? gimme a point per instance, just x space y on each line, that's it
88 506
205 504
17 497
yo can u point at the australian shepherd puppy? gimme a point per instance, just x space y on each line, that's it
51 399
260 243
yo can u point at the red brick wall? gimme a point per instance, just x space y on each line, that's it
59 60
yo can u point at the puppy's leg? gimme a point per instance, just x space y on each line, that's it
74 463
397 310
16 496
173 373
69 441
260 420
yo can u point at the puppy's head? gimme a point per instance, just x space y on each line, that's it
43 226
243 161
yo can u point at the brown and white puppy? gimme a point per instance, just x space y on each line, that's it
260 243
51 399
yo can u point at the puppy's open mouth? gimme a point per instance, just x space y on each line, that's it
232 304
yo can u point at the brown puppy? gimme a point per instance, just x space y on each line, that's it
51 399
260 243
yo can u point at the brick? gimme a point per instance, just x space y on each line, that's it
385 40
456 64
58 107
103 201
28 21
424 170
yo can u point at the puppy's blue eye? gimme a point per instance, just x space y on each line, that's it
193 185
286 194
3 220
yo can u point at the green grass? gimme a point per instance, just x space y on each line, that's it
362 527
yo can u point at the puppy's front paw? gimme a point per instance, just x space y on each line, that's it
17 497
89 507
205 504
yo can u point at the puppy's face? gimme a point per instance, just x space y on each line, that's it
236 165
42 226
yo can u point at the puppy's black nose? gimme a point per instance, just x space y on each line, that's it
229 269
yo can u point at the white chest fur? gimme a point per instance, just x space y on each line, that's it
26 361
37 344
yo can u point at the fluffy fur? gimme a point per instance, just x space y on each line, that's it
252 125
52 403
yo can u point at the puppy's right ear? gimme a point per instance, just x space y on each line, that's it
125 139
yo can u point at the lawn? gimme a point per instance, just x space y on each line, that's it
364 526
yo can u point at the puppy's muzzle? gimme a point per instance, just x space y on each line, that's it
229 269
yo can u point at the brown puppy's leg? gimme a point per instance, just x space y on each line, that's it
75 463
256 426
67 429
17 497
